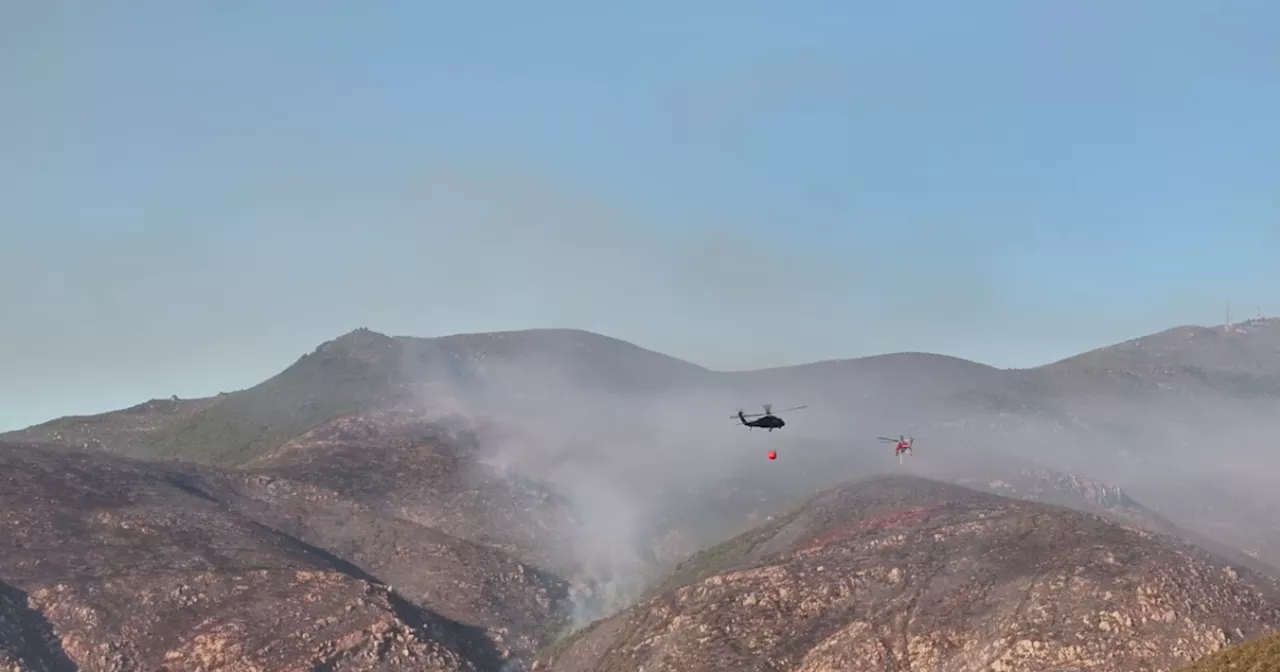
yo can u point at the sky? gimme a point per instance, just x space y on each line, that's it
192 195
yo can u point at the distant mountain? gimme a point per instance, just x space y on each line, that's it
1242 359
364 370
905 573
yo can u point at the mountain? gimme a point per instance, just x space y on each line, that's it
904 573
458 374
557 406
116 564
1250 350
364 370
596 465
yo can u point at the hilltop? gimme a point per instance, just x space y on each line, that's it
1250 347
905 573
1240 361
363 371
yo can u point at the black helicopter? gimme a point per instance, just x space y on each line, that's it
766 420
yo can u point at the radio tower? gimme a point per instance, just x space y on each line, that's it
1227 325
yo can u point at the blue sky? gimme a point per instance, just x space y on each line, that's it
194 194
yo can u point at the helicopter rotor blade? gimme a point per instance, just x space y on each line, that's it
794 408
887 439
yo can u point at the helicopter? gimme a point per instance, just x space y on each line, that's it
766 420
902 445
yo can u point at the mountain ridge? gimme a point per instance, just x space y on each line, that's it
364 369
582 466
1092 426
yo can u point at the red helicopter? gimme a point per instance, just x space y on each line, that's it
902 445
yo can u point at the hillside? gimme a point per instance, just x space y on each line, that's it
115 564
575 400
906 573
361 371
1259 655
357 371
1242 359
1251 346
601 462
406 464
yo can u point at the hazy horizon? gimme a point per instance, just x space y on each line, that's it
201 393
194 196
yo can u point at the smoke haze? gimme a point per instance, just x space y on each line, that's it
644 451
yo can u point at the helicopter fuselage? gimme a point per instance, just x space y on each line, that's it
769 422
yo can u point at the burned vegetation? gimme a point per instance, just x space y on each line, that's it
115 564
904 573
344 515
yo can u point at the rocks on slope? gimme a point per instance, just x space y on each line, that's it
1259 655
514 605
112 564
905 573
405 464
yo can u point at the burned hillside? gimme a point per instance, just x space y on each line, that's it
906 573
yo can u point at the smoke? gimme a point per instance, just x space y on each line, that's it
625 459
641 451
